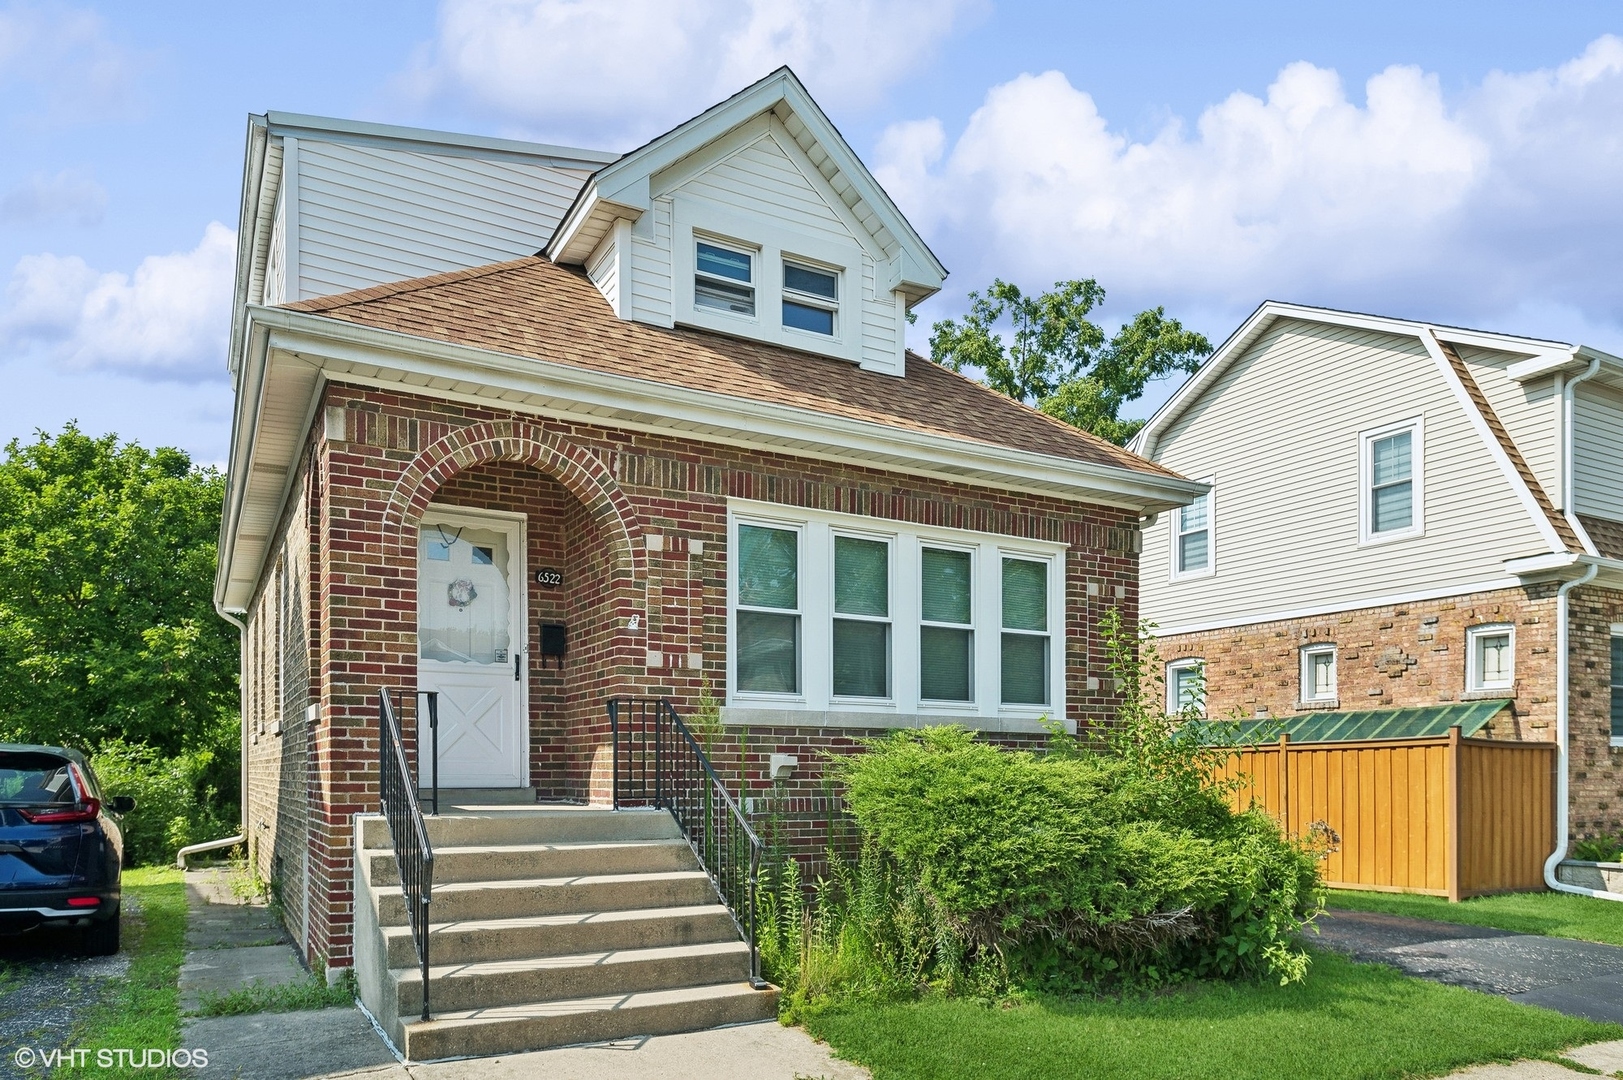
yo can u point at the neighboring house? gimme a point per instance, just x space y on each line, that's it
1401 514
681 451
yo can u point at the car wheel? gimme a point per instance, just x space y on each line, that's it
101 938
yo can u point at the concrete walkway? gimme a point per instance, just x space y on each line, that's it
1578 978
1605 1058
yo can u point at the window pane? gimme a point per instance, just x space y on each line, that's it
1393 508
723 263
946 585
805 317
861 658
1025 595
1493 658
1617 688
1025 669
738 299
768 652
1322 675
1391 457
861 576
1192 551
1187 687
1193 516
943 664
768 565
806 280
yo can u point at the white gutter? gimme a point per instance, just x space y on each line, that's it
242 797
1563 679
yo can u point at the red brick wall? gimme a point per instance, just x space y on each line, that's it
637 523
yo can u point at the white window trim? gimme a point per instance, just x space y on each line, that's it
1417 475
1617 632
1307 695
889 620
1047 635
977 629
1176 515
772 243
1172 705
800 610
816 700
1473 674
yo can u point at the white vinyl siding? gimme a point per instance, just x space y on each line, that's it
276 257
1528 411
651 292
604 270
370 214
1281 426
1598 452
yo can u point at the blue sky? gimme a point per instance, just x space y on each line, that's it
1451 161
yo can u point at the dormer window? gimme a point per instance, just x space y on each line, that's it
810 298
724 279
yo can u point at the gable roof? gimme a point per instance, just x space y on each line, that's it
537 309
623 188
1438 341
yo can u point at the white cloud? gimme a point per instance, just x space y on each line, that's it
1408 203
57 64
168 320
69 195
625 71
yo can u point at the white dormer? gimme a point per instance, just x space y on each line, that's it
754 219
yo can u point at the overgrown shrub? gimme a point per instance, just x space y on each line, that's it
1601 848
174 803
988 871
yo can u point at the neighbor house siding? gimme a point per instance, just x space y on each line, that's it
1278 434
1528 411
1597 435
651 294
370 214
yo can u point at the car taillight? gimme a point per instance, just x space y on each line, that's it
87 810
83 901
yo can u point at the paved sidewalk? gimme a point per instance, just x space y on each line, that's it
1606 1058
1578 978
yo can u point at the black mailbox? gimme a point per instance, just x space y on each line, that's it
554 642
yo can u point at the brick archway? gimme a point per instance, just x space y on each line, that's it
580 473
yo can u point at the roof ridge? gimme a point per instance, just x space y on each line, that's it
406 285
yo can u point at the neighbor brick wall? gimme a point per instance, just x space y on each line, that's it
637 523
1596 778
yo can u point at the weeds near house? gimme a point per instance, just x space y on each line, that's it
312 993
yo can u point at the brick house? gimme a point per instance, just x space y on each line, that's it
1401 514
534 427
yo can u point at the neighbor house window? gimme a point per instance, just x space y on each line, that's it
724 279
1391 488
1490 660
946 625
1192 544
1319 673
1186 686
811 297
1617 683
768 613
1025 649
861 658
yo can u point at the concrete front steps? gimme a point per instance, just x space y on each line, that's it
548 926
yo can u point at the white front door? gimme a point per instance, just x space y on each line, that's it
470 640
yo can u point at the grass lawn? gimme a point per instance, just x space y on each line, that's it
1552 913
145 1010
1345 1021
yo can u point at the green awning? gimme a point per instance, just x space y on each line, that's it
1471 716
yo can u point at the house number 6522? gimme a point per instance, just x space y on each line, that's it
549 578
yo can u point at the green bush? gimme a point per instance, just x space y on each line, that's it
1599 849
989 871
174 804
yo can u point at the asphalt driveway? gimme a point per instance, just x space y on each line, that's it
1578 978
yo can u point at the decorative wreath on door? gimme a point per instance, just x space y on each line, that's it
460 593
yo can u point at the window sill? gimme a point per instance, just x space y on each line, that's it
754 716
1390 538
1489 693
1617 742
1326 705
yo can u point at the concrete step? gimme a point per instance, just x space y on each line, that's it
506 862
529 825
558 935
522 898
515 1028
450 798
496 983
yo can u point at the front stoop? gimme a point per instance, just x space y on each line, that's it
550 926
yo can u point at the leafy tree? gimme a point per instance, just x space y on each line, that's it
107 626
1043 350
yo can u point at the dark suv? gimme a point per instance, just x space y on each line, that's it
61 848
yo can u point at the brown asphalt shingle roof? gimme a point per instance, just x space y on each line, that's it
533 307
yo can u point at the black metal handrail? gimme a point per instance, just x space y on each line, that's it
413 854
657 762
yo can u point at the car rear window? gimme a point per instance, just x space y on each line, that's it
32 779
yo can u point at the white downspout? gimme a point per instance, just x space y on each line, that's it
1563 649
242 797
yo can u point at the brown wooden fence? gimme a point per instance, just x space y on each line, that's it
1441 814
